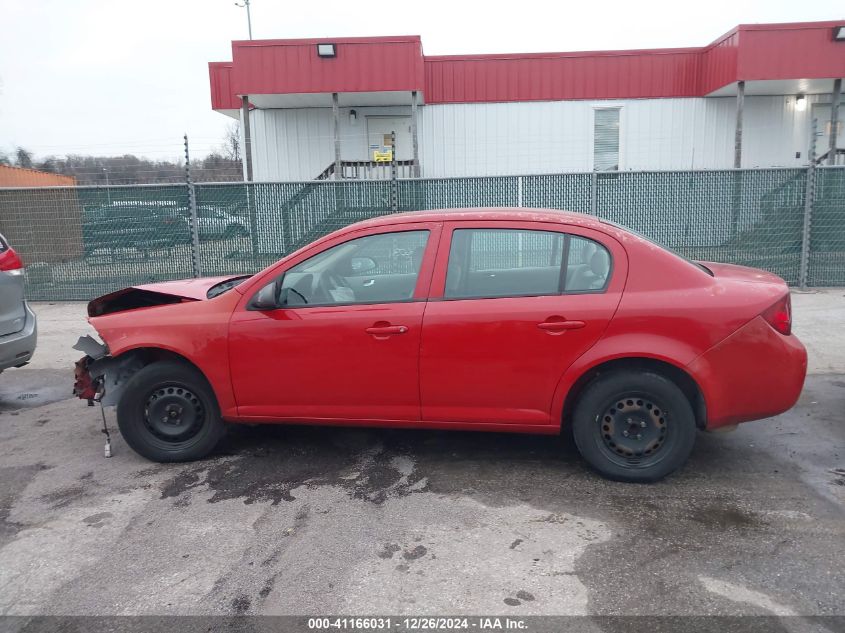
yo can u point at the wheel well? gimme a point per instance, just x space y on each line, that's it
682 379
142 356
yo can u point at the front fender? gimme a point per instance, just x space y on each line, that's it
196 331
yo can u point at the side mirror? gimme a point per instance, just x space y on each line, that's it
267 298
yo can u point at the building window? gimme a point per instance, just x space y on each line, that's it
606 139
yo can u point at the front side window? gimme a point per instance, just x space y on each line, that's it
606 139
374 269
488 263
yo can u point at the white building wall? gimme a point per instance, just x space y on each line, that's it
542 136
298 143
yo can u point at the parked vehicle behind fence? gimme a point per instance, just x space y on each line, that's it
18 330
216 223
138 226
493 320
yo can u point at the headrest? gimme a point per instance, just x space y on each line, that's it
600 263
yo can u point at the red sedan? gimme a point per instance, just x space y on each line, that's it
482 319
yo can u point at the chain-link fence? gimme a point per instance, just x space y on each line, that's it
80 242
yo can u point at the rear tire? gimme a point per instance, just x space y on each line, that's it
634 426
168 413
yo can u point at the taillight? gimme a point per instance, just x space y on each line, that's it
10 262
779 316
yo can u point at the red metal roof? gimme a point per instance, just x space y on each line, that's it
748 52
372 64
223 96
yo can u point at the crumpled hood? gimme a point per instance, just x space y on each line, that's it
155 294
186 288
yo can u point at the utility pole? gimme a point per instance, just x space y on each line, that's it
248 16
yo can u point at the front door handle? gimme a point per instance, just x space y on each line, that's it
560 326
368 283
385 330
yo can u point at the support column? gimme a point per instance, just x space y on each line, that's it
247 139
414 138
338 168
740 102
834 121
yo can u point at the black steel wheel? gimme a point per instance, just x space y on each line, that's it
168 413
634 426
173 413
634 429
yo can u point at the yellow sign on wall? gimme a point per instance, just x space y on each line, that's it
383 157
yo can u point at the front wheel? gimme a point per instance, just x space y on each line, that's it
168 413
634 426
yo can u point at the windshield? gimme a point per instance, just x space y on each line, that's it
663 246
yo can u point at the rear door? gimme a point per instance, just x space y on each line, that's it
12 313
512 305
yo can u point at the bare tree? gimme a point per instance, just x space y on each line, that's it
23 158
232 142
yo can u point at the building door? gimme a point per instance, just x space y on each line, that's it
379 129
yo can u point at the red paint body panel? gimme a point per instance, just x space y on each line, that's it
501 367
196 330
477 363
748 52
754 373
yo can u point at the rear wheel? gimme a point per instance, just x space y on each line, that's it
634 426
168 413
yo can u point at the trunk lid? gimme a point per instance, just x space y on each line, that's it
742 273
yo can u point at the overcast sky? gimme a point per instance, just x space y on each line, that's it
130 76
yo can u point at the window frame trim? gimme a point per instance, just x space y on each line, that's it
279 270
441 267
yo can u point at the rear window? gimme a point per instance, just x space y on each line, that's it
3 246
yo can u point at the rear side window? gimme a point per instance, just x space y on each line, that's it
588 265
3 247
488 263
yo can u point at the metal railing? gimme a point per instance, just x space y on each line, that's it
79 242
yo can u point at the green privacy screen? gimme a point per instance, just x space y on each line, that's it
82 242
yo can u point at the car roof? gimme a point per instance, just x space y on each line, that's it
505 214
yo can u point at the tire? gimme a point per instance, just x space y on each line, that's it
168 413
650 436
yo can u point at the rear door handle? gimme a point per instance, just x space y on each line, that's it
385 330
560 326
368 283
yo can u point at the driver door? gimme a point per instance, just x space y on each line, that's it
345 345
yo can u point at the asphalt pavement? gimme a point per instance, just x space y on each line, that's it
312 521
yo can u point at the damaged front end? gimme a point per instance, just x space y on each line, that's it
97 376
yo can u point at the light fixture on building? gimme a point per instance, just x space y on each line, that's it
353 116
800 103
839 33
326 50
